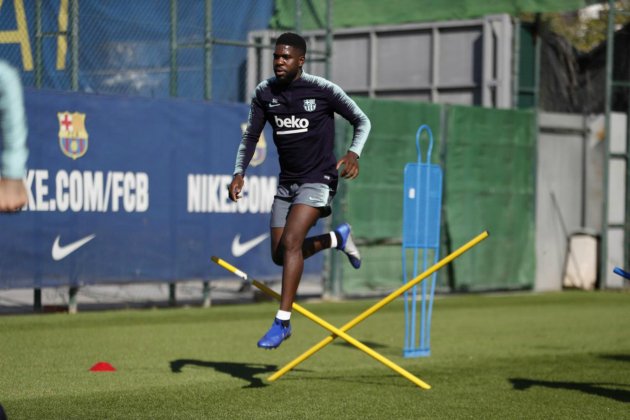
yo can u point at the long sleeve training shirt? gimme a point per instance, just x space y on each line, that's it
13 122
302 117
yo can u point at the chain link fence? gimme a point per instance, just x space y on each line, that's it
194 49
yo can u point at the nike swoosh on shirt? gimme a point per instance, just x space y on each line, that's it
60 252
274 105
241 248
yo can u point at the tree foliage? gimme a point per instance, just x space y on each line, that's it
587 28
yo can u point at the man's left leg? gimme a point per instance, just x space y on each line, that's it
300 219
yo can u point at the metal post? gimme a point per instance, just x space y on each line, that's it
74 40
72 299
207 299
172 294
173 71
38 43
207 74
537 46
37 293
332 286
626 253
603 254
516 47
298 16
329 39
37 300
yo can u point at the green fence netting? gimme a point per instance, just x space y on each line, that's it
490 184
488 161
353 13
373 202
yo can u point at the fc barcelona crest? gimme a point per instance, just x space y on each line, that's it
261 148
73 137
309 105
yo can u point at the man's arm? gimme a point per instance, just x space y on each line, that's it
14 151
347 108
350 163
247 148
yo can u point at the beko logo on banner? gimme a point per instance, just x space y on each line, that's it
87 191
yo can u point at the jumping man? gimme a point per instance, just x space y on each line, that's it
300 108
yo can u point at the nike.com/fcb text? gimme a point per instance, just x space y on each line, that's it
89 191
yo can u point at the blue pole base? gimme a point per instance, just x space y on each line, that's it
416 352
622 273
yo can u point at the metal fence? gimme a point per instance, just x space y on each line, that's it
193 49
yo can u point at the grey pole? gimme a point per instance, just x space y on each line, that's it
74 39
208 45
38 43
173 45
603 255
329 39
298 16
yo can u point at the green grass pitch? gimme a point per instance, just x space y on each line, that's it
535 356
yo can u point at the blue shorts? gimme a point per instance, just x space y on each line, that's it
315 195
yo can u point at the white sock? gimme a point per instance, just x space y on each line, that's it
333 240
283 315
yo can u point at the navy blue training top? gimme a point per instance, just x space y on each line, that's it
302 117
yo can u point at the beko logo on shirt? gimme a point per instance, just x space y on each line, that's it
297 125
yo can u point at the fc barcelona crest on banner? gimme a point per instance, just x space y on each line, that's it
73 137
261 148
309 105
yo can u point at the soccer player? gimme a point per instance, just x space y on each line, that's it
14 152
300 108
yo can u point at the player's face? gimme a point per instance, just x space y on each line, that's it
287 62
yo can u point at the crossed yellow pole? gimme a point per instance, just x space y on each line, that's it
411 283
327 326
340 332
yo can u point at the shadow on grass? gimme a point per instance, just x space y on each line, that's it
370 344
599 389
390 380
616 357
245 371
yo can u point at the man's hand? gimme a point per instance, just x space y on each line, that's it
350 164
236 186
12 195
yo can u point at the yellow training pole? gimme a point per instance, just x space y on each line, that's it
327 326
379 305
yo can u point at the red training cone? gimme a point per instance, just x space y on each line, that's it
102 367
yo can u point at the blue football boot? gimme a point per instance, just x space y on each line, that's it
347 245
275 336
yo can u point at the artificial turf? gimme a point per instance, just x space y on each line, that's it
534 356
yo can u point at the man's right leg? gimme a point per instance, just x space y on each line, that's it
343 241
316 196
340 238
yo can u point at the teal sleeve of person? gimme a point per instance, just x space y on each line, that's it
13 121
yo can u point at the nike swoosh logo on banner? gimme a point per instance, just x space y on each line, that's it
60 252
240 249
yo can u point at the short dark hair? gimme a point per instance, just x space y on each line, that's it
293 40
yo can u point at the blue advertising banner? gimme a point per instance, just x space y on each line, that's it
132 189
